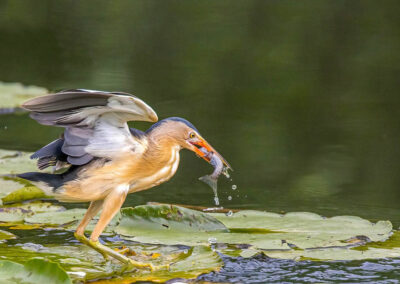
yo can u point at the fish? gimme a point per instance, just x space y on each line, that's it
212 179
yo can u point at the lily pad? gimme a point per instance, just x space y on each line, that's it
30 208
194 262
14 162
260 230
12 95
11 218
33 271
23 194
83 263
4 235
68 219
166 217
14 190
57 218
335 254
18 212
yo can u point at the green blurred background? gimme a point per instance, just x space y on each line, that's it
301 97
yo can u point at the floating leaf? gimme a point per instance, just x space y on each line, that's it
13 94
196 261
16 213
57 218
261 230
7 186
23 194
33 207
14 162
10 218
169 217
33 271
335 254
83 263
68 219
4 235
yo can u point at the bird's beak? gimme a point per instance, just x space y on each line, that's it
202 143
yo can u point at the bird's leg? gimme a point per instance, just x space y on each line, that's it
93 209
111 206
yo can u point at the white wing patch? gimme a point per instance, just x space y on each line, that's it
111 139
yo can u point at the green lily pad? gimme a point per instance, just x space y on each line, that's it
7 186
4 235
68 219
307 223
31 208
335 254
166 217
14 162
12 95
57 218
11 218
83 263
16 213
260 230
33 271
23 194
191 264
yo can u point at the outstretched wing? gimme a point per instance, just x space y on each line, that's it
95 125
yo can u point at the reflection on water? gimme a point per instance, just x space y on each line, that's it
261 269
302 99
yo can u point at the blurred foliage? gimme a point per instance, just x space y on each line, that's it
300 97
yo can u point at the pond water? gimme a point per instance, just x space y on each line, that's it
301 99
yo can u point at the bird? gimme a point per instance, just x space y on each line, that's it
99 159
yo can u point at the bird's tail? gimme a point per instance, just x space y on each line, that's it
46 182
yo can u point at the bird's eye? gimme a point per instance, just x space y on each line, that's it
192 135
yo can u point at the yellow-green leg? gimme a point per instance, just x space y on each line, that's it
111 206
106 251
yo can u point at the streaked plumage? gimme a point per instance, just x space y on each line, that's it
104 158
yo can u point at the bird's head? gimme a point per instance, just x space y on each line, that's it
184 134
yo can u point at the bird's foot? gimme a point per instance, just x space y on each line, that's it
86 241
129 263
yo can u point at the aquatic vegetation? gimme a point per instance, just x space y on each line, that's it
13 94
187 240
33 271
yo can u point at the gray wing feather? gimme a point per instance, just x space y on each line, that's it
94 122
78 135
57 118
67 100
52 149
78 161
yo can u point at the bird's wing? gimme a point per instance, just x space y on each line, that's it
94 121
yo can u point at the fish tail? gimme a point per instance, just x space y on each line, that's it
212 182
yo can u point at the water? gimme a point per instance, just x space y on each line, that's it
261 269
300 98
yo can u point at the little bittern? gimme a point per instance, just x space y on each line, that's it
104 159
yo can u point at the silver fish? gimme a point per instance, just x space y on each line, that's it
212 179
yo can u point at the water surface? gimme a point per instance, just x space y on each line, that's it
302 98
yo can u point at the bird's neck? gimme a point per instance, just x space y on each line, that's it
158 163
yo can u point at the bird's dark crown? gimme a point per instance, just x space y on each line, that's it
179 119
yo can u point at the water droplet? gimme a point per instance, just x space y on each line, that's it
212 240
229 214
226 173
185 251
234 186
5 127
229 197
216 200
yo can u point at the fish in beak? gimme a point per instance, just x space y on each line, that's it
204 150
